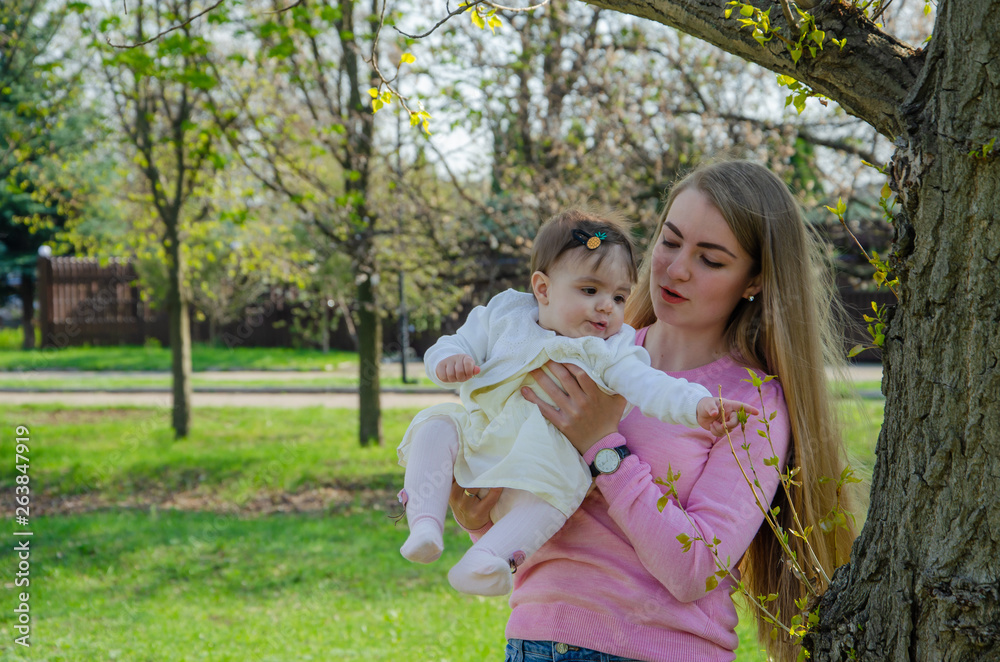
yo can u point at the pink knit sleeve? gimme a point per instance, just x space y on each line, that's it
720 505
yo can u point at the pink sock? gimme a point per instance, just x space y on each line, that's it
427 484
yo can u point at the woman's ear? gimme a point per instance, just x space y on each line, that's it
754 287
540 288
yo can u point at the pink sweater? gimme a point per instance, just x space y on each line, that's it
615 578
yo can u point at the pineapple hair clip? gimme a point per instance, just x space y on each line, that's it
591 241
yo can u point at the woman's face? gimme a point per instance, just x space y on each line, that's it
699 270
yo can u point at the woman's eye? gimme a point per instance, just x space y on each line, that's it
710 263
669 244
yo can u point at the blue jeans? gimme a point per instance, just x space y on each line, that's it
519 650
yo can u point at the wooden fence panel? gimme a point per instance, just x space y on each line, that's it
83 302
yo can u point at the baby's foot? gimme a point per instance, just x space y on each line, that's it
481 573
425 543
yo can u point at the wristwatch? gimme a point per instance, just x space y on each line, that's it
608 460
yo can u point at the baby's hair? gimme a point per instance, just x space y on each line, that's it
555 238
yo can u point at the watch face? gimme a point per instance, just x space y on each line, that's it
607 460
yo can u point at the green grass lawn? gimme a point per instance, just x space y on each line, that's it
203 357
228 581
38 381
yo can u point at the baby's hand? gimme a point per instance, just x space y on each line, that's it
710 414
456 368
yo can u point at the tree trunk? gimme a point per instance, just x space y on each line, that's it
923 580
180 336
370 350
28 310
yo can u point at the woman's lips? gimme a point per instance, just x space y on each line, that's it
670 296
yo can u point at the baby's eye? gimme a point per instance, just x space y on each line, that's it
590 290
619 299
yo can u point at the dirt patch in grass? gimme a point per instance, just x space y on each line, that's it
86 416
317 500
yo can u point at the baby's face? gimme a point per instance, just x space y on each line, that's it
578 298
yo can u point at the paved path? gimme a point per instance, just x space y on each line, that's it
289 400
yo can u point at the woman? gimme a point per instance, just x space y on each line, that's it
731 281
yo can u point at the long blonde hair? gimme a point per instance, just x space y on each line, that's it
790 331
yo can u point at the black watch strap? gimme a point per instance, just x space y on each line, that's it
623 452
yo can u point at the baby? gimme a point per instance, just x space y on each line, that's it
583 268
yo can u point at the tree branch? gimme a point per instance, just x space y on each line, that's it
168 30
870 78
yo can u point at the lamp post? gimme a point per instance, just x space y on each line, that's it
404 331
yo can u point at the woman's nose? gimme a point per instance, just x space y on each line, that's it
678 268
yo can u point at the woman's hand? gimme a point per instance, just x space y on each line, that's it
583 412
472 512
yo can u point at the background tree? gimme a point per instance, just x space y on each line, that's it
159 95
582 104
44 121
308 133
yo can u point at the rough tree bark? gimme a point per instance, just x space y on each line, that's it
179 322
922 583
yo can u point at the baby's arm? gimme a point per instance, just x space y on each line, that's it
471 342
671 399
457 368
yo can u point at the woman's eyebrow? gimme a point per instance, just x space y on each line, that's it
703 244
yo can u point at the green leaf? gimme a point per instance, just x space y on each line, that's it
711 583
330 13
747 10
854 351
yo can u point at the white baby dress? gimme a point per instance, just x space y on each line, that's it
504 441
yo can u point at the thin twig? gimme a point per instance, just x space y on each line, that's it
167 31
863 251
518 9
786 9
451 14
284 9
878 12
